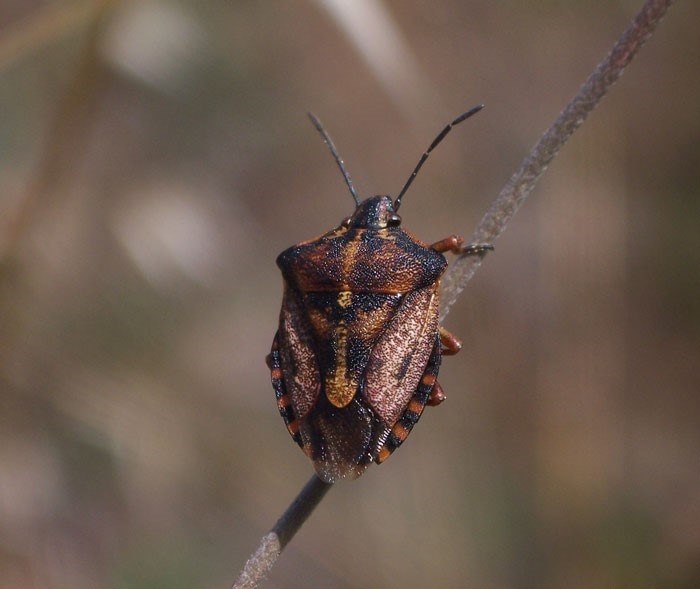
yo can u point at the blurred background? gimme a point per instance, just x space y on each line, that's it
155 157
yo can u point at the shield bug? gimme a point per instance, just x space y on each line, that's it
356 356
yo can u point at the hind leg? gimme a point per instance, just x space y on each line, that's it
451 344
437 395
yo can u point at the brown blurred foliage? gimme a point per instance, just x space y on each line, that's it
155 158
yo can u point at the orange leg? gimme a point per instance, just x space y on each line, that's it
450 344
455 244
437 395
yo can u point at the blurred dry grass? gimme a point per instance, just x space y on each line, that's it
155 157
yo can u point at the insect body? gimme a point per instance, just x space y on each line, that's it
356 356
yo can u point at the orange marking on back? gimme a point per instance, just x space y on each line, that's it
276 374
340 389
383 455
415 406
344 299
428 379
400 431
283 402
293 427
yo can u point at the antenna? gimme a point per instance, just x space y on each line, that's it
433 145
338 159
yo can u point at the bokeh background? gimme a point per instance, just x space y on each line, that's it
155 157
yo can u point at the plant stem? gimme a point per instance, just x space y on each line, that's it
272 544
489 228
517 189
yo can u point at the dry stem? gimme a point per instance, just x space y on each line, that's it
489 228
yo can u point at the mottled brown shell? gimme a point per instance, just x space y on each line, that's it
358 329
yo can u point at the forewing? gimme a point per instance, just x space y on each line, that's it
299 365
400 356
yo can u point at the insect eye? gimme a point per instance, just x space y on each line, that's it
346 222
393 221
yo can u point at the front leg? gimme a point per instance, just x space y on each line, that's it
455 244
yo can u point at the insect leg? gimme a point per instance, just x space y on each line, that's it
451 344
437 395
455 244
476 249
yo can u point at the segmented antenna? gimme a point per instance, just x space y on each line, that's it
433 145
338 159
